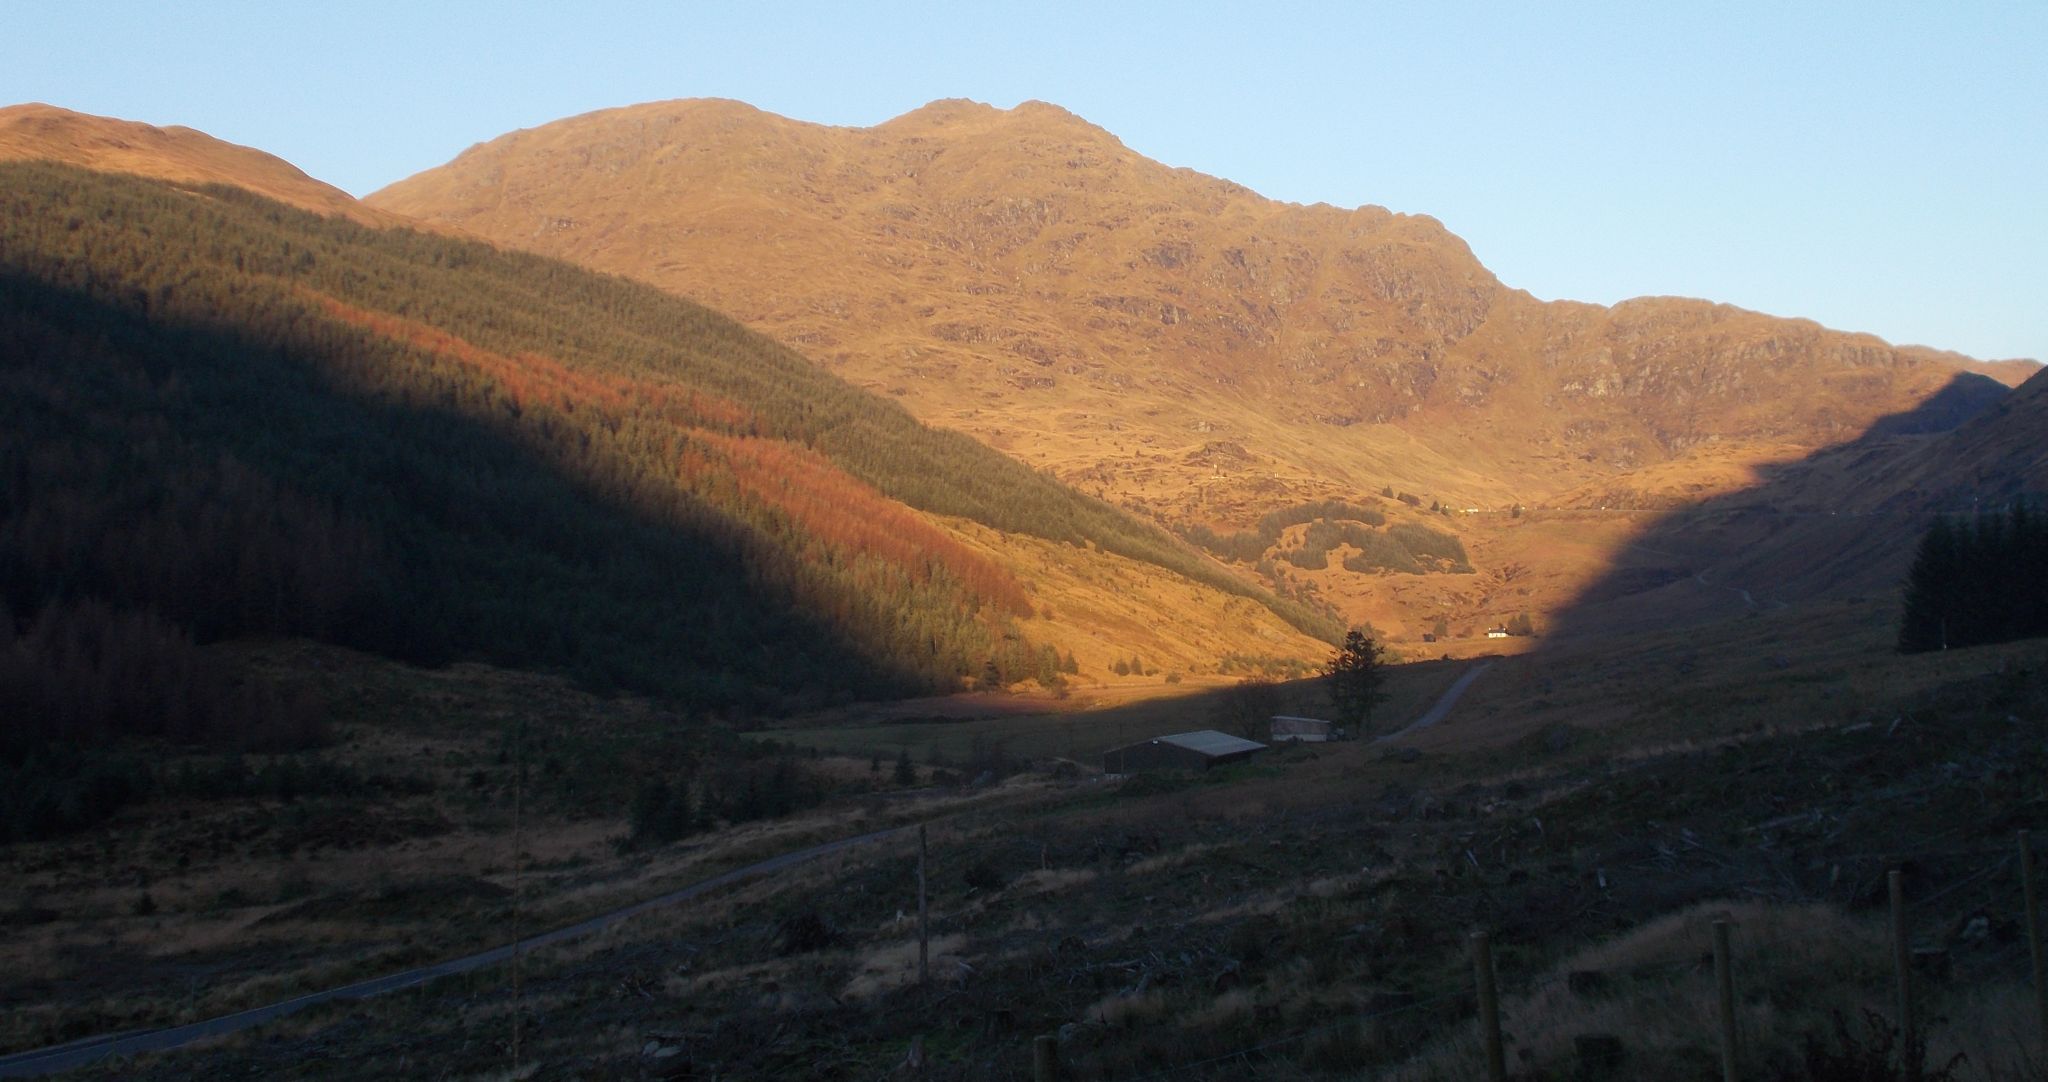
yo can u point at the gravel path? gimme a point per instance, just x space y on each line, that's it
81 1053
1443 705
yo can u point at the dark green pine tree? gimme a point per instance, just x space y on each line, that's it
2030 567
2016 563
1933 585
1354 675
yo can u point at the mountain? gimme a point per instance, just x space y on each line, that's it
1185 347
224 417
1173 339
1843 522
1992 457
37 132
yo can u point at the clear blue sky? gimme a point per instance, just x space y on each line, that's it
1877 167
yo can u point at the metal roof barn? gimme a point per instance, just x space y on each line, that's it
1198 750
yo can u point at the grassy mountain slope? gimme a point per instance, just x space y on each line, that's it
1302 915
1995 455
37 132
1181 345
228 417
1842 523
1023 276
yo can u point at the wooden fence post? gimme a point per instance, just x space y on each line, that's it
1045 1058
518 883
924 928
1489 1007
2029 894
1724 983
1902 956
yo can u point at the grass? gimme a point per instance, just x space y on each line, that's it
1820 665
255 898
963 729
1318 898
1796 968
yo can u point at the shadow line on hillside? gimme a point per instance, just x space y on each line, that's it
469 543
1836 523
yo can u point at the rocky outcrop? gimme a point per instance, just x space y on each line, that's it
1018 269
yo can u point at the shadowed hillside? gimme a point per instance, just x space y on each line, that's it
236 418
1181 345
1023 276
1840 523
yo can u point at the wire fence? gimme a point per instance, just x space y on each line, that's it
2001 861
1245 1054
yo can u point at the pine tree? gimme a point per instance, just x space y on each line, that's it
1977 581
1931 589
1354 675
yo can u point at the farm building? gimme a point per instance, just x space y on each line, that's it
1181 751
1301 730
1496 632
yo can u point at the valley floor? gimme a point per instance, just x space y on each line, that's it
1593 807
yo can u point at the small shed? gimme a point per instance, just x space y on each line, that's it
1300 730
1181 751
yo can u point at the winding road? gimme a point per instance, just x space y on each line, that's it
91 1050
1443 705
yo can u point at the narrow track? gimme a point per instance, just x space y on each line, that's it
91 1050
1443 705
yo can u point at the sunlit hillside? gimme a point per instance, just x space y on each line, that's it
1024 276
227 418
1176 342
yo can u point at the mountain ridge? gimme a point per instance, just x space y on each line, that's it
988 268
36 131
438 449
1181 345
1007 250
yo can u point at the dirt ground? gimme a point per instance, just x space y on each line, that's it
1313 903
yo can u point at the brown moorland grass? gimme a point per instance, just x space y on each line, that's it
1171 341
1313 903
1090 720
43 132
188 906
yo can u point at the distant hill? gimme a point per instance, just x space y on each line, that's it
37 132
1180 345
1842 522
1023 276
225 417
1994 456
1997 455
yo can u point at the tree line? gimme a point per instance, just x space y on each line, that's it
1977 580
222 417
1405 546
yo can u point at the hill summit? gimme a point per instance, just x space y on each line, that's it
38 132
1174 339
